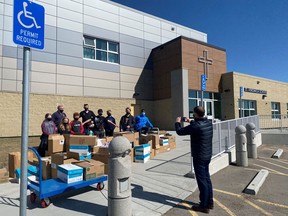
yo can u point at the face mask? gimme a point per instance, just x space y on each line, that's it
100 114
143 113
76 118
49 118
61 111
65 123
109 114
85 108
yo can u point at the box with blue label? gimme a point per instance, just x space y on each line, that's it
164 142
81 149
142 158
70 173
143 149
79 156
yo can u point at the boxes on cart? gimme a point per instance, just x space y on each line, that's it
69 173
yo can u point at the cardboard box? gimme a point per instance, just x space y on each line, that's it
101 150
69 173
165 148
152 153
132 155
163 141
170 138
172 145
4 176
142 158
46 167
143 149
129 135
101 157
55 143
80 149
106 169
91 169
79 156
66 142
151 137
59 159
109 139
14 162
156 152
82 140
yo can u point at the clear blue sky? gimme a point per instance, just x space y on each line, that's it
253 32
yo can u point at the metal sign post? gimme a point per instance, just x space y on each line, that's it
28 31
240 101
203 87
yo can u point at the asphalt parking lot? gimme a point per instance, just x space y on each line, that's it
229 184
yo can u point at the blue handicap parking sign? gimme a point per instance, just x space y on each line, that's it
28 24
203 82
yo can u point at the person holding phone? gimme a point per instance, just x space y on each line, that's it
201 134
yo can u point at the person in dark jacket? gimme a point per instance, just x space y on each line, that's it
99 124
110 124
87 116
48 127
201 134
58 115
75 125
127 121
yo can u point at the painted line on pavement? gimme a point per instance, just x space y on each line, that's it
271 203
275 171
258 170
274 164
189 208
273 159
245 200
224 207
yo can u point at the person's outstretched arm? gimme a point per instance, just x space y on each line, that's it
181 131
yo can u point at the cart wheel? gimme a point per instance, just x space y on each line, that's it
45 202
100 186
33 197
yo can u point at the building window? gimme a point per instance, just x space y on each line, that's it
248 108
275 110
101 50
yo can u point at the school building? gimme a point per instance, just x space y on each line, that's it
112 56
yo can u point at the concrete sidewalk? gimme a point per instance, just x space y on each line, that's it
157 186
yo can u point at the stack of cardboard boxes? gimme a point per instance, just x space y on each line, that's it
91 153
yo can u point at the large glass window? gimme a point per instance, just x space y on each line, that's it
248 108
101 50
275 110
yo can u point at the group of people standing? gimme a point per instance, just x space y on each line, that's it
91 124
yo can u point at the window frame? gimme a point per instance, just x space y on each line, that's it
250 107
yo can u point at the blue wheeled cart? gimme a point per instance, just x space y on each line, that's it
44 189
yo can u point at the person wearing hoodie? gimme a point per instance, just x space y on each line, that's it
48 127
110 124
99 124
75 125
142 122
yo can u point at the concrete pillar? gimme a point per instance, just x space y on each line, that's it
119 178
251 140
241 146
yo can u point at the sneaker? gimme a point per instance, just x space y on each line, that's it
198 208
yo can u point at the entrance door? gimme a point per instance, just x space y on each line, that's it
209 108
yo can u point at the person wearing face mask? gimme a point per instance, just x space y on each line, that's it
99 124
87 116
110 124
58 115
64 127
48 127
142 122
127 121
75 125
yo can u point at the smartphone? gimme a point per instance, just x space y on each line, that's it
183 119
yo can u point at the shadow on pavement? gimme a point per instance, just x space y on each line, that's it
9 201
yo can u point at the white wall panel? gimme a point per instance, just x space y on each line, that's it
132 23
131 14
152 21
94 12
101 92
43 77
167 26
71 15
45 88
8 39
8 23
102 6
1 8
183 31
51 2
168 34
101 83
101 23
101 74
50 20
9 85
49 9
152 29
9 74
8 10
152 37
131 31
71 5
67 24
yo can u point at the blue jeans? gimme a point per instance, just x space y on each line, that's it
201 168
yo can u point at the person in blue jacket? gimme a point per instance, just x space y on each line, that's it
142 122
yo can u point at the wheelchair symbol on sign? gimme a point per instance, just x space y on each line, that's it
28 15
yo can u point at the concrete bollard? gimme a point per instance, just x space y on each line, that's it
251 141
119 178
241 146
